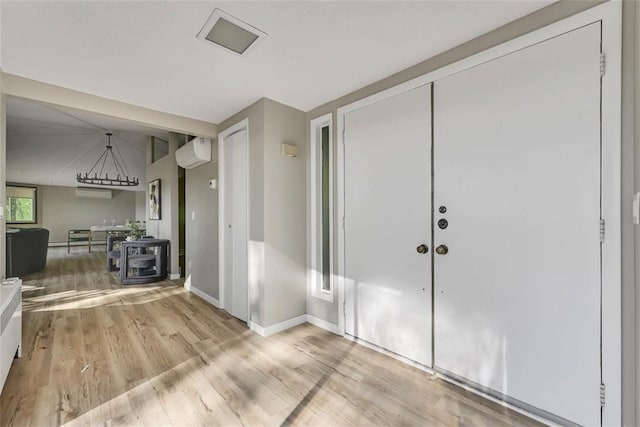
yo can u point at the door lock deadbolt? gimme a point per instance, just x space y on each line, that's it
443 223
422 249
442 209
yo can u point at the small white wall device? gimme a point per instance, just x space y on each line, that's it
290 150
194 153
213 184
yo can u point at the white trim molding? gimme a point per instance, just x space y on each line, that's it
257 328
208 298
321 323
489 397
287 324
278 327
315 262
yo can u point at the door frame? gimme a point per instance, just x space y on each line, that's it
223 286
610 14
314 272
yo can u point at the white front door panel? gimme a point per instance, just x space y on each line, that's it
517 165
388 215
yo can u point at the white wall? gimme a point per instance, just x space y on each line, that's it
56 95
166 170
62 210
285 214
277 217
3 165
630 79
201 227
141 206
630 240
3 169
59 210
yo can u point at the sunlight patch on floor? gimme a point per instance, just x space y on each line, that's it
77 300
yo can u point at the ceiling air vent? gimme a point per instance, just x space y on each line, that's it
228 32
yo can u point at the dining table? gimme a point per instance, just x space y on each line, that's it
111 229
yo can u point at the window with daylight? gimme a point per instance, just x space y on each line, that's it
321 208
20 205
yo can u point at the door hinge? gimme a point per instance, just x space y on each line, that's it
602 394
603 63
602 230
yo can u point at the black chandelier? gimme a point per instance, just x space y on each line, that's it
120 180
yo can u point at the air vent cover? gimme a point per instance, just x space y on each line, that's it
230 33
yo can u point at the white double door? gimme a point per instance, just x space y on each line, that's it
515 210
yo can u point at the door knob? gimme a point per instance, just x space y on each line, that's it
422 249
442 250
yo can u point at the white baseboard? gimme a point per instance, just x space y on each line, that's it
174 276
208 298
278 327
425 368
322 324
496 400
256 328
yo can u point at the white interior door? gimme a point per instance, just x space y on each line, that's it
236 229
517 166
387 156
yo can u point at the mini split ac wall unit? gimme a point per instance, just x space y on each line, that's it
93 193
194 153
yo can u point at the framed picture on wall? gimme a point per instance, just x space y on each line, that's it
155 202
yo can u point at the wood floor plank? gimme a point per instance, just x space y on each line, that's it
99 353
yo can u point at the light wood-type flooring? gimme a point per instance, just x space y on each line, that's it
99 353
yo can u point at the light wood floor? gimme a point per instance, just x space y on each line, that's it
98 353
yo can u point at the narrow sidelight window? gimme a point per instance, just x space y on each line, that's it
321 182
326 231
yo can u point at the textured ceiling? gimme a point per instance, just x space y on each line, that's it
147 54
